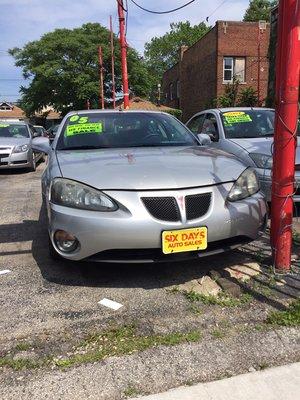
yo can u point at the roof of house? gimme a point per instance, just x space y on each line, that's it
136 103
48 113
8 110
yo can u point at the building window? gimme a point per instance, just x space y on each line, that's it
177 88
234 67
171 91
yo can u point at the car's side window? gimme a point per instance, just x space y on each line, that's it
195 125
210 127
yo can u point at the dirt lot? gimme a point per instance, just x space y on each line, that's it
180 323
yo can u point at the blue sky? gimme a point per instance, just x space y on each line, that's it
22 21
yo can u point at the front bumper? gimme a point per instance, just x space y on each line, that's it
131 228
266 184
8 159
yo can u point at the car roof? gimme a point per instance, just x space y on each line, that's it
13 121
228 109
112 111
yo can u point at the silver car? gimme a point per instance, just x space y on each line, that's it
15 145
248 134
127 186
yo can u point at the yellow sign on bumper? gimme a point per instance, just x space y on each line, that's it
184 240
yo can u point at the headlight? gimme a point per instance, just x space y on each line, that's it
21 148
69 193
262 160
246 185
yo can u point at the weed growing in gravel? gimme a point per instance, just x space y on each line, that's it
98 346
23 346
121 341
218 334
289 317
221 300
131 391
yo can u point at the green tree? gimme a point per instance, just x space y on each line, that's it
248 97
62 69
161 52
259 10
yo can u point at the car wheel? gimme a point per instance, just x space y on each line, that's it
32 168
53 253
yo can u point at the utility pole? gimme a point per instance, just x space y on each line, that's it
158 94
88 104
258 65
285 139
123 45
101 93
112 50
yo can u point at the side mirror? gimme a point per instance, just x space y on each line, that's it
204 139
41 144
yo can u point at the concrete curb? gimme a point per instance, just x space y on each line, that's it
280 383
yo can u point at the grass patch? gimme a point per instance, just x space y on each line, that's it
98 346
23 346
289 317
218 334
131 391
119 342
195 309
222 299
19 364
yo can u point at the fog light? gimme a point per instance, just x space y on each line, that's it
65 242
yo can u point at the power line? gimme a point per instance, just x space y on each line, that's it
220 5
162 12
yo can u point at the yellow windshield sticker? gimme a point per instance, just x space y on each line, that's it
80 120
3 125
236 117
79 129
74 118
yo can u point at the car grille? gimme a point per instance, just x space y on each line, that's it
163 208
4 155
197 205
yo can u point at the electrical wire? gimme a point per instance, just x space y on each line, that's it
161 12
216 9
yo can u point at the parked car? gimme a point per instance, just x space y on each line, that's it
15 145
248 134
52 132
40 130
128 186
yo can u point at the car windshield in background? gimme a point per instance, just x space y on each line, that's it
39 130
13 131
248 123
122 129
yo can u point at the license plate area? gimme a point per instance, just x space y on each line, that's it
181 240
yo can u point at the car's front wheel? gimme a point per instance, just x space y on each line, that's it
32 168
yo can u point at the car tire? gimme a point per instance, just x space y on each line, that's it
52 252
32 168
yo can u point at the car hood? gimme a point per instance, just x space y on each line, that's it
262 145
7 141
149 168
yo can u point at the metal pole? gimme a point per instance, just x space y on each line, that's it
123 53
112 50
258 66
285 139
101 93
88 104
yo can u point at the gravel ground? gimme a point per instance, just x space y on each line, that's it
52 306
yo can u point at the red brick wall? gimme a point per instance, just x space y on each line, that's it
198 75
170 76
241 40
200 71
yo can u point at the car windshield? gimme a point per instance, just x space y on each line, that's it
8 130
248 123
122 129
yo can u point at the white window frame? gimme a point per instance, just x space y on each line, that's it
232 69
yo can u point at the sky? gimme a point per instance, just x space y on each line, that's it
22 21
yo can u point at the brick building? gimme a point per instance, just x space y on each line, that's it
228 49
